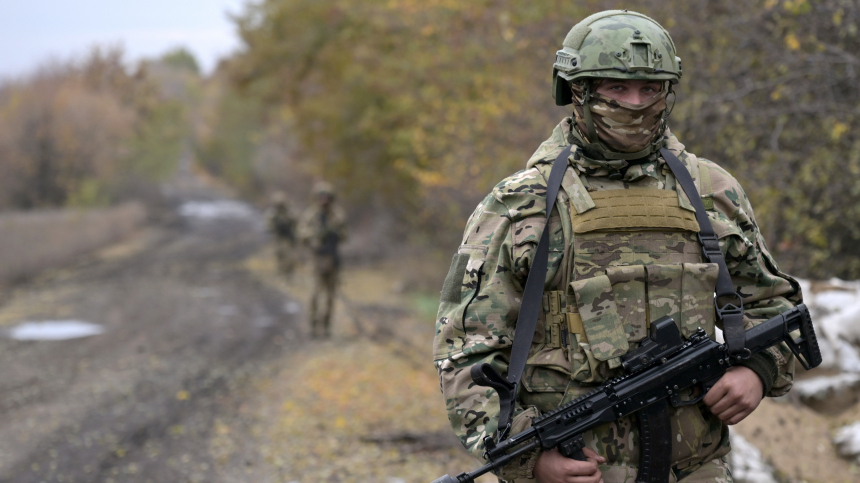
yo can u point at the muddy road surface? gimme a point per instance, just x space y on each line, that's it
184 328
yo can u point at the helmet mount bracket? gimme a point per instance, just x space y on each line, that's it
638 55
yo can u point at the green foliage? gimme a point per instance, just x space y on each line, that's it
156 146
426 305
181 58
228 151
423 105
89 193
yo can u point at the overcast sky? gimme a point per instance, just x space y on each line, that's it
33 31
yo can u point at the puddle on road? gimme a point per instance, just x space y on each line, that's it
216 209
292 307
54 330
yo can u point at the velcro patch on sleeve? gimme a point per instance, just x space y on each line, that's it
452 288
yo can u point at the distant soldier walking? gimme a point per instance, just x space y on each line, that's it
322 229
281 223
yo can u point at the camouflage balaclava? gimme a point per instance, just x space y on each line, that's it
623 127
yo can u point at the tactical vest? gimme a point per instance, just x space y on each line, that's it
631 256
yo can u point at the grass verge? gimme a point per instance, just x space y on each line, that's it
365 405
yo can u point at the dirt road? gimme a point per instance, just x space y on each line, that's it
185 327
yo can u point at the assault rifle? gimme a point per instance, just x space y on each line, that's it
663 369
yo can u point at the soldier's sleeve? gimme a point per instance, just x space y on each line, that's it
341 225
480 301
765 289
270 220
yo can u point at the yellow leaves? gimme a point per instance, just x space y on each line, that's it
838 129
797 7
818 236
183 395
340 422
792 42
505 24
425 177
769 4
221 428
777 93
838 16
357 389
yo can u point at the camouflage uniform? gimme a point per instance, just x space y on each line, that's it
282 225
323 228
623 252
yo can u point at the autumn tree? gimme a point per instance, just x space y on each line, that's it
425 104
75 133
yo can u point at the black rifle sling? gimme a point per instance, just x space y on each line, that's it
484 374
729 305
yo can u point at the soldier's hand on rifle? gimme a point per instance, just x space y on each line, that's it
735 395
552 467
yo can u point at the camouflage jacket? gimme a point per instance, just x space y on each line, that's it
281 223
322 230
481 298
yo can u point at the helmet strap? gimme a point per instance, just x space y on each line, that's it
664 123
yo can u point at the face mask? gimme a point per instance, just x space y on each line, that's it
623 127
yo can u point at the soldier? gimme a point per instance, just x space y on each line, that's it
282 225
623 252
323 228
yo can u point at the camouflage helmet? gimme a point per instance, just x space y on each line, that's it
323 188
278 198
616 44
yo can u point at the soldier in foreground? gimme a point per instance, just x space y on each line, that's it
624 251
322 229
282 225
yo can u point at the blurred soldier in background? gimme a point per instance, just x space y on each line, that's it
625 248
282 225
322 229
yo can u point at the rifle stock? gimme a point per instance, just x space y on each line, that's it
664 367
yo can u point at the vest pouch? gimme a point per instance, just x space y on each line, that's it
547 373
699 280
604 329
548 369
684 292
664 291
628 288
